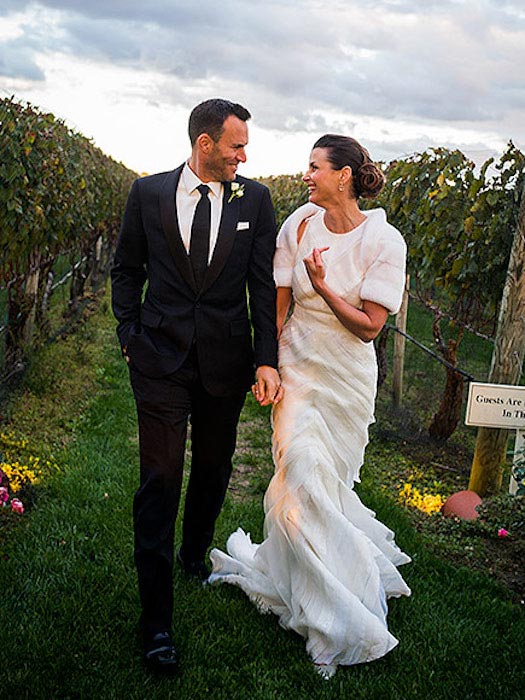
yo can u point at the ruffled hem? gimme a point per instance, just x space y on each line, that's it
333 593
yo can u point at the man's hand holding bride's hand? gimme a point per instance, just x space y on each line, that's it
267 388
315 267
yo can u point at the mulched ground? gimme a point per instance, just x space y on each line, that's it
474 544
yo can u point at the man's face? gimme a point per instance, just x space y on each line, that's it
226 154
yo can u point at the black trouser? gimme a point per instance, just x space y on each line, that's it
164 406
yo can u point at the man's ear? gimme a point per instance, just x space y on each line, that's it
205 143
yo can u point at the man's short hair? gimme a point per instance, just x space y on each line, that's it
208 118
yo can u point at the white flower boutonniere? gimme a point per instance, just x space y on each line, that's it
236 191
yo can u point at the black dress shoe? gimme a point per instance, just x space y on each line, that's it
196 569
160 655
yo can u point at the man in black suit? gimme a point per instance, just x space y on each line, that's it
197 237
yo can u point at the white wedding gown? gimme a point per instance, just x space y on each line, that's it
326 566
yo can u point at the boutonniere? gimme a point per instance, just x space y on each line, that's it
236 191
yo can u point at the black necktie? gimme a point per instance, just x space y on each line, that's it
200 235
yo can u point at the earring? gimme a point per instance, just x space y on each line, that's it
341 186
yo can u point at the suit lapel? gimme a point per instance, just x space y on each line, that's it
170 225
225 237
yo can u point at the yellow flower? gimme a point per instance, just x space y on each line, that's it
426 502
20 468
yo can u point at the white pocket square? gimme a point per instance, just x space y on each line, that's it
243 225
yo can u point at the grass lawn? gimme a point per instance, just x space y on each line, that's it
69 604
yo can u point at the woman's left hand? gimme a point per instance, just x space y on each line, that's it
315 267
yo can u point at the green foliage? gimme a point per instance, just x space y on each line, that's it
288 192
458 222
58 191
459 227
502 511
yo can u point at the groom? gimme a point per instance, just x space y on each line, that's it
195 238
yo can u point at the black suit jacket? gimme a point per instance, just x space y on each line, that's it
159 327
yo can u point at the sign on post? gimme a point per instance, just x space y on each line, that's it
499 406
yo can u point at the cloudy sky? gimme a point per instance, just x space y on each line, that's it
399 75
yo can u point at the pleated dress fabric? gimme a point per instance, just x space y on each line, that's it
326 566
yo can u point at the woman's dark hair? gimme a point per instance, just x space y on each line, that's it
367 179
208 118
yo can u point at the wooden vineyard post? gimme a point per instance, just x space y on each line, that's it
31 296
506 366
399 348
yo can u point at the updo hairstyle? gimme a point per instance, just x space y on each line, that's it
367 179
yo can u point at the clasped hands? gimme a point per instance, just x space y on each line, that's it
267 388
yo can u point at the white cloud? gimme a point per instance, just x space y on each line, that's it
401 74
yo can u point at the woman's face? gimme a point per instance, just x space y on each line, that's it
322 180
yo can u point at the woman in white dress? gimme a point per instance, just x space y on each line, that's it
327 566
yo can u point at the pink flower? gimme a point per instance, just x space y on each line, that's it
17 506
502 532
4 495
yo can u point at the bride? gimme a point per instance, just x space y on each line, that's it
327 566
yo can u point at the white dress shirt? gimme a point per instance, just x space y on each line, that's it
186 200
